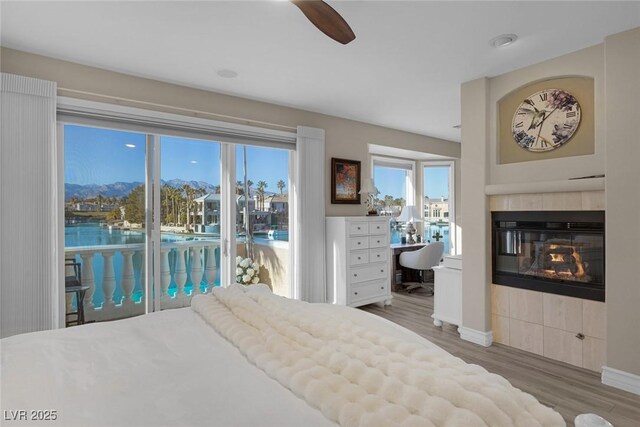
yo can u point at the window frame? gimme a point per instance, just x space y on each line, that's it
399 163
451 164
72 111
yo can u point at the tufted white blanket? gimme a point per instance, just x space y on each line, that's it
360 377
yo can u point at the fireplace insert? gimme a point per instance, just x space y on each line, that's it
560 252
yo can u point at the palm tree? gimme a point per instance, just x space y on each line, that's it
260 192
249 184
190 196
239 189
280 186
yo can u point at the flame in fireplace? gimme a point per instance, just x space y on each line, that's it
559 260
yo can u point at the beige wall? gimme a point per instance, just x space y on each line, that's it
586 62
344 138
622 192
617 150
475 213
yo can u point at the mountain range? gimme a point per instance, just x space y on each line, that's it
121 189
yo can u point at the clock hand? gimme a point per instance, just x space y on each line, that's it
537 119
547 116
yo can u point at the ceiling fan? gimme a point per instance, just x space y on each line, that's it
326 19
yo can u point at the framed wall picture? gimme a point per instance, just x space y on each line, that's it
345 181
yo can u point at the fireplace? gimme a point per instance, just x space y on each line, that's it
560 252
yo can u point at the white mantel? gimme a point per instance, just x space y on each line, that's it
557 186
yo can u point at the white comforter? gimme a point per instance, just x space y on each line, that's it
359 376
172 368
164 369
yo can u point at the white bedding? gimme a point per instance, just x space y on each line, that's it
164 369
169 368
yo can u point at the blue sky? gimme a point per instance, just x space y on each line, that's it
101 156
390 181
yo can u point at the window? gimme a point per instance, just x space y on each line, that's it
438 203
394 179
144 204
262 218
105 230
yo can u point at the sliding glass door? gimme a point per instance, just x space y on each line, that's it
190 210
104 225
141 206
262 218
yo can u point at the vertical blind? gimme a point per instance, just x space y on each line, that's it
28 181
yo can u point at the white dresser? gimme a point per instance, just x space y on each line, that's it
447 291
358 270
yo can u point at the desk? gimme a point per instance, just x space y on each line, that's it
396 250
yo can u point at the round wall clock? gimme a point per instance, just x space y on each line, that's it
545 120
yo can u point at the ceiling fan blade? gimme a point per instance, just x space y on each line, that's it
326 19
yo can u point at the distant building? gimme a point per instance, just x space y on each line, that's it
276 203
85 207
207 209
436 210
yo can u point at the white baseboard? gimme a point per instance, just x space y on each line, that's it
484 339
620 379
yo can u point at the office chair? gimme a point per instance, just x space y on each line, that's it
422 259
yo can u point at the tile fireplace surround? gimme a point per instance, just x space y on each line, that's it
568 329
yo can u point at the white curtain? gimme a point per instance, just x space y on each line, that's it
28 210
309 268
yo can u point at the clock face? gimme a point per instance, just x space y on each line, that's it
545 120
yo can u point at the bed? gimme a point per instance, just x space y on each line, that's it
245 357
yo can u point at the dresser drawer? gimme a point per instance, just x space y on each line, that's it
358 229
368 272
378 242
378 227
358 243
378 255
369 290
359 257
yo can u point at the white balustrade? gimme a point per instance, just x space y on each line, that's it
196 269
180 272
108 279
128 279
165 272
202 267
210 267
142 277
88 280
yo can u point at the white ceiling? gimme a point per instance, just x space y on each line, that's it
403 70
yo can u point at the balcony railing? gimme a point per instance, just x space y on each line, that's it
181 263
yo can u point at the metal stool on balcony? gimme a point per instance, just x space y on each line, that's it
73 285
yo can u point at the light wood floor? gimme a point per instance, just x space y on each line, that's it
567 389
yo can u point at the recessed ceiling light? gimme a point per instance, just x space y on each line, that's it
503 40
130 145
194 161
227 74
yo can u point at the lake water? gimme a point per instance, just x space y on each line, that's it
91 234
430 230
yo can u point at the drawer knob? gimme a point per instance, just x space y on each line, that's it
382 287
580 336
378 241
381 271
358 242
378 255
355 293
358 228
359 258
355 275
